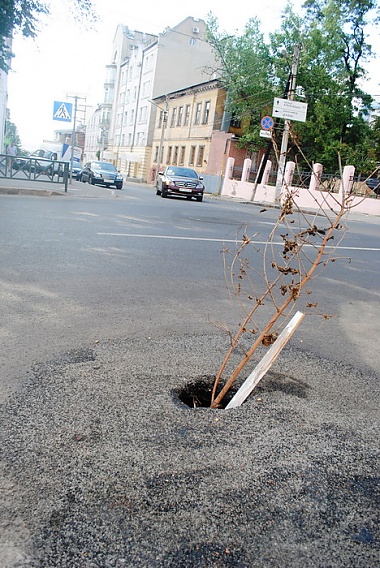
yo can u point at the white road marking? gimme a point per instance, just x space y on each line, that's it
179 238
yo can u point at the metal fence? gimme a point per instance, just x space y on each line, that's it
302 178
34 169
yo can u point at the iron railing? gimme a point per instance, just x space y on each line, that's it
34 169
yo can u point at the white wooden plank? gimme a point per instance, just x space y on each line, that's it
270 356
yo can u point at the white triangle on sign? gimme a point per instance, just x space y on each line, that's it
62 112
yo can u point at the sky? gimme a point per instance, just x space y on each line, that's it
68 60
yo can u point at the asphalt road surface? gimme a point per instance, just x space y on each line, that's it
113 306
78 270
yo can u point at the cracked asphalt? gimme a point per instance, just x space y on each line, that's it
104 466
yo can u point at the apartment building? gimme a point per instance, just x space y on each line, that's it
193 129
102 130
185 124
148 66
98 126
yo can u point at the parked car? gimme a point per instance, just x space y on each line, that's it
374 184
40 161
101 173
176 180
76 169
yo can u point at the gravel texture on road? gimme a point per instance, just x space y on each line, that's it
104 466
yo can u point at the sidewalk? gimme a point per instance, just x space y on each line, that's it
16 186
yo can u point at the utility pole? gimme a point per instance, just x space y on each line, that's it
73 134
285 135
164 122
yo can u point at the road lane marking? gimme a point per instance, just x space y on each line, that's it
207 239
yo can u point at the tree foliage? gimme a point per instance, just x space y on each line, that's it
334 50
24 16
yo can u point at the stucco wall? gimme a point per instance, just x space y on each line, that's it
305 198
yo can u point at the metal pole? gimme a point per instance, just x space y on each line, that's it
73 134
285 135
164 121
73 138
265 158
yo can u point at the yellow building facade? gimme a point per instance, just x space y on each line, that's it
184 126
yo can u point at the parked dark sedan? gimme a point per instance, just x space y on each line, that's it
374 184
101 173
76 169
176 180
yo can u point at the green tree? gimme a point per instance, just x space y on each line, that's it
11 134
24 16
331 71
246 72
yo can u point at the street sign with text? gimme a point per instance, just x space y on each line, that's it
290 110
265 134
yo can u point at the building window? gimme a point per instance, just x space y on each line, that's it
187 115
201 153
156 153
162 118
129 139
180 115
174 114
132 116
169 155
146 89
206 112
143 113
198 113
175 156
182 155
192 155
125 117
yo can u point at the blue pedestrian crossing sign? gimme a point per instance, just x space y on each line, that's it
62 111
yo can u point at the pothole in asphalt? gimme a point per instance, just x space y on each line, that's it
197 393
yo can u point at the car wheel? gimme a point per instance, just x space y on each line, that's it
199 198
164 193
119 186
158 192
92 181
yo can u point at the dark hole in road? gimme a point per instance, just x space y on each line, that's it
197 393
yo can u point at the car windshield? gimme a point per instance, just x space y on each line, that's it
103 166
184 172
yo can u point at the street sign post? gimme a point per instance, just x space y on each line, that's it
290 110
